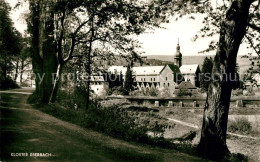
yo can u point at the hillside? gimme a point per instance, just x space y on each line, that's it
244 63
157 60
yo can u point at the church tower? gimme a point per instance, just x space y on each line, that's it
178 56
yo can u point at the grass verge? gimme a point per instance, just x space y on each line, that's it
112 121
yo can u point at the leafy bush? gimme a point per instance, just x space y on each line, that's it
250 91
237 92
146 92
119 91
240 125
24 84
112 121
165 93
183 93
152 92
115 122
8 83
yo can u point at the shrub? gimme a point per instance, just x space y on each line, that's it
240 125
250 91
8 83
237 92
146 92
152 92
119 91
183 93
165 92
113 121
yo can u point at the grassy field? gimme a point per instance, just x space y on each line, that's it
242 121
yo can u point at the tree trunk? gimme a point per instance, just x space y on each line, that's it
5 66
214 128
56 84
16 69
88 70
44 49
21 73
88 86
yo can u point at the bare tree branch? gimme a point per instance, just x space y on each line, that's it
252 45
74 42
253 26
80 26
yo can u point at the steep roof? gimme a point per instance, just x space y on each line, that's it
143 70
174 68
186 85
189 69
147 70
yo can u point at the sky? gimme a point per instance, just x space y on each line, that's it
160 41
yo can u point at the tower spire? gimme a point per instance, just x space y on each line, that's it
178 46
178 55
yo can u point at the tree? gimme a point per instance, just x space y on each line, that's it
206 73
25 58
43 47
74 28
232 21
10 46
232 30
232 26
129 80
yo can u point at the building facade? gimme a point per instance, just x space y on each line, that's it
164 77
99 85
161 77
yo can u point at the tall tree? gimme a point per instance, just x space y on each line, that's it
129 80
232 21
214 128
9 41
75 28
24 57
44 60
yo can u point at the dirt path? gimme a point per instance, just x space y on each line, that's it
25 130
237 143
197 127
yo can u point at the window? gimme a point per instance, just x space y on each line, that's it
151 79
144 79
166 78
141 79
168 84
164 84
